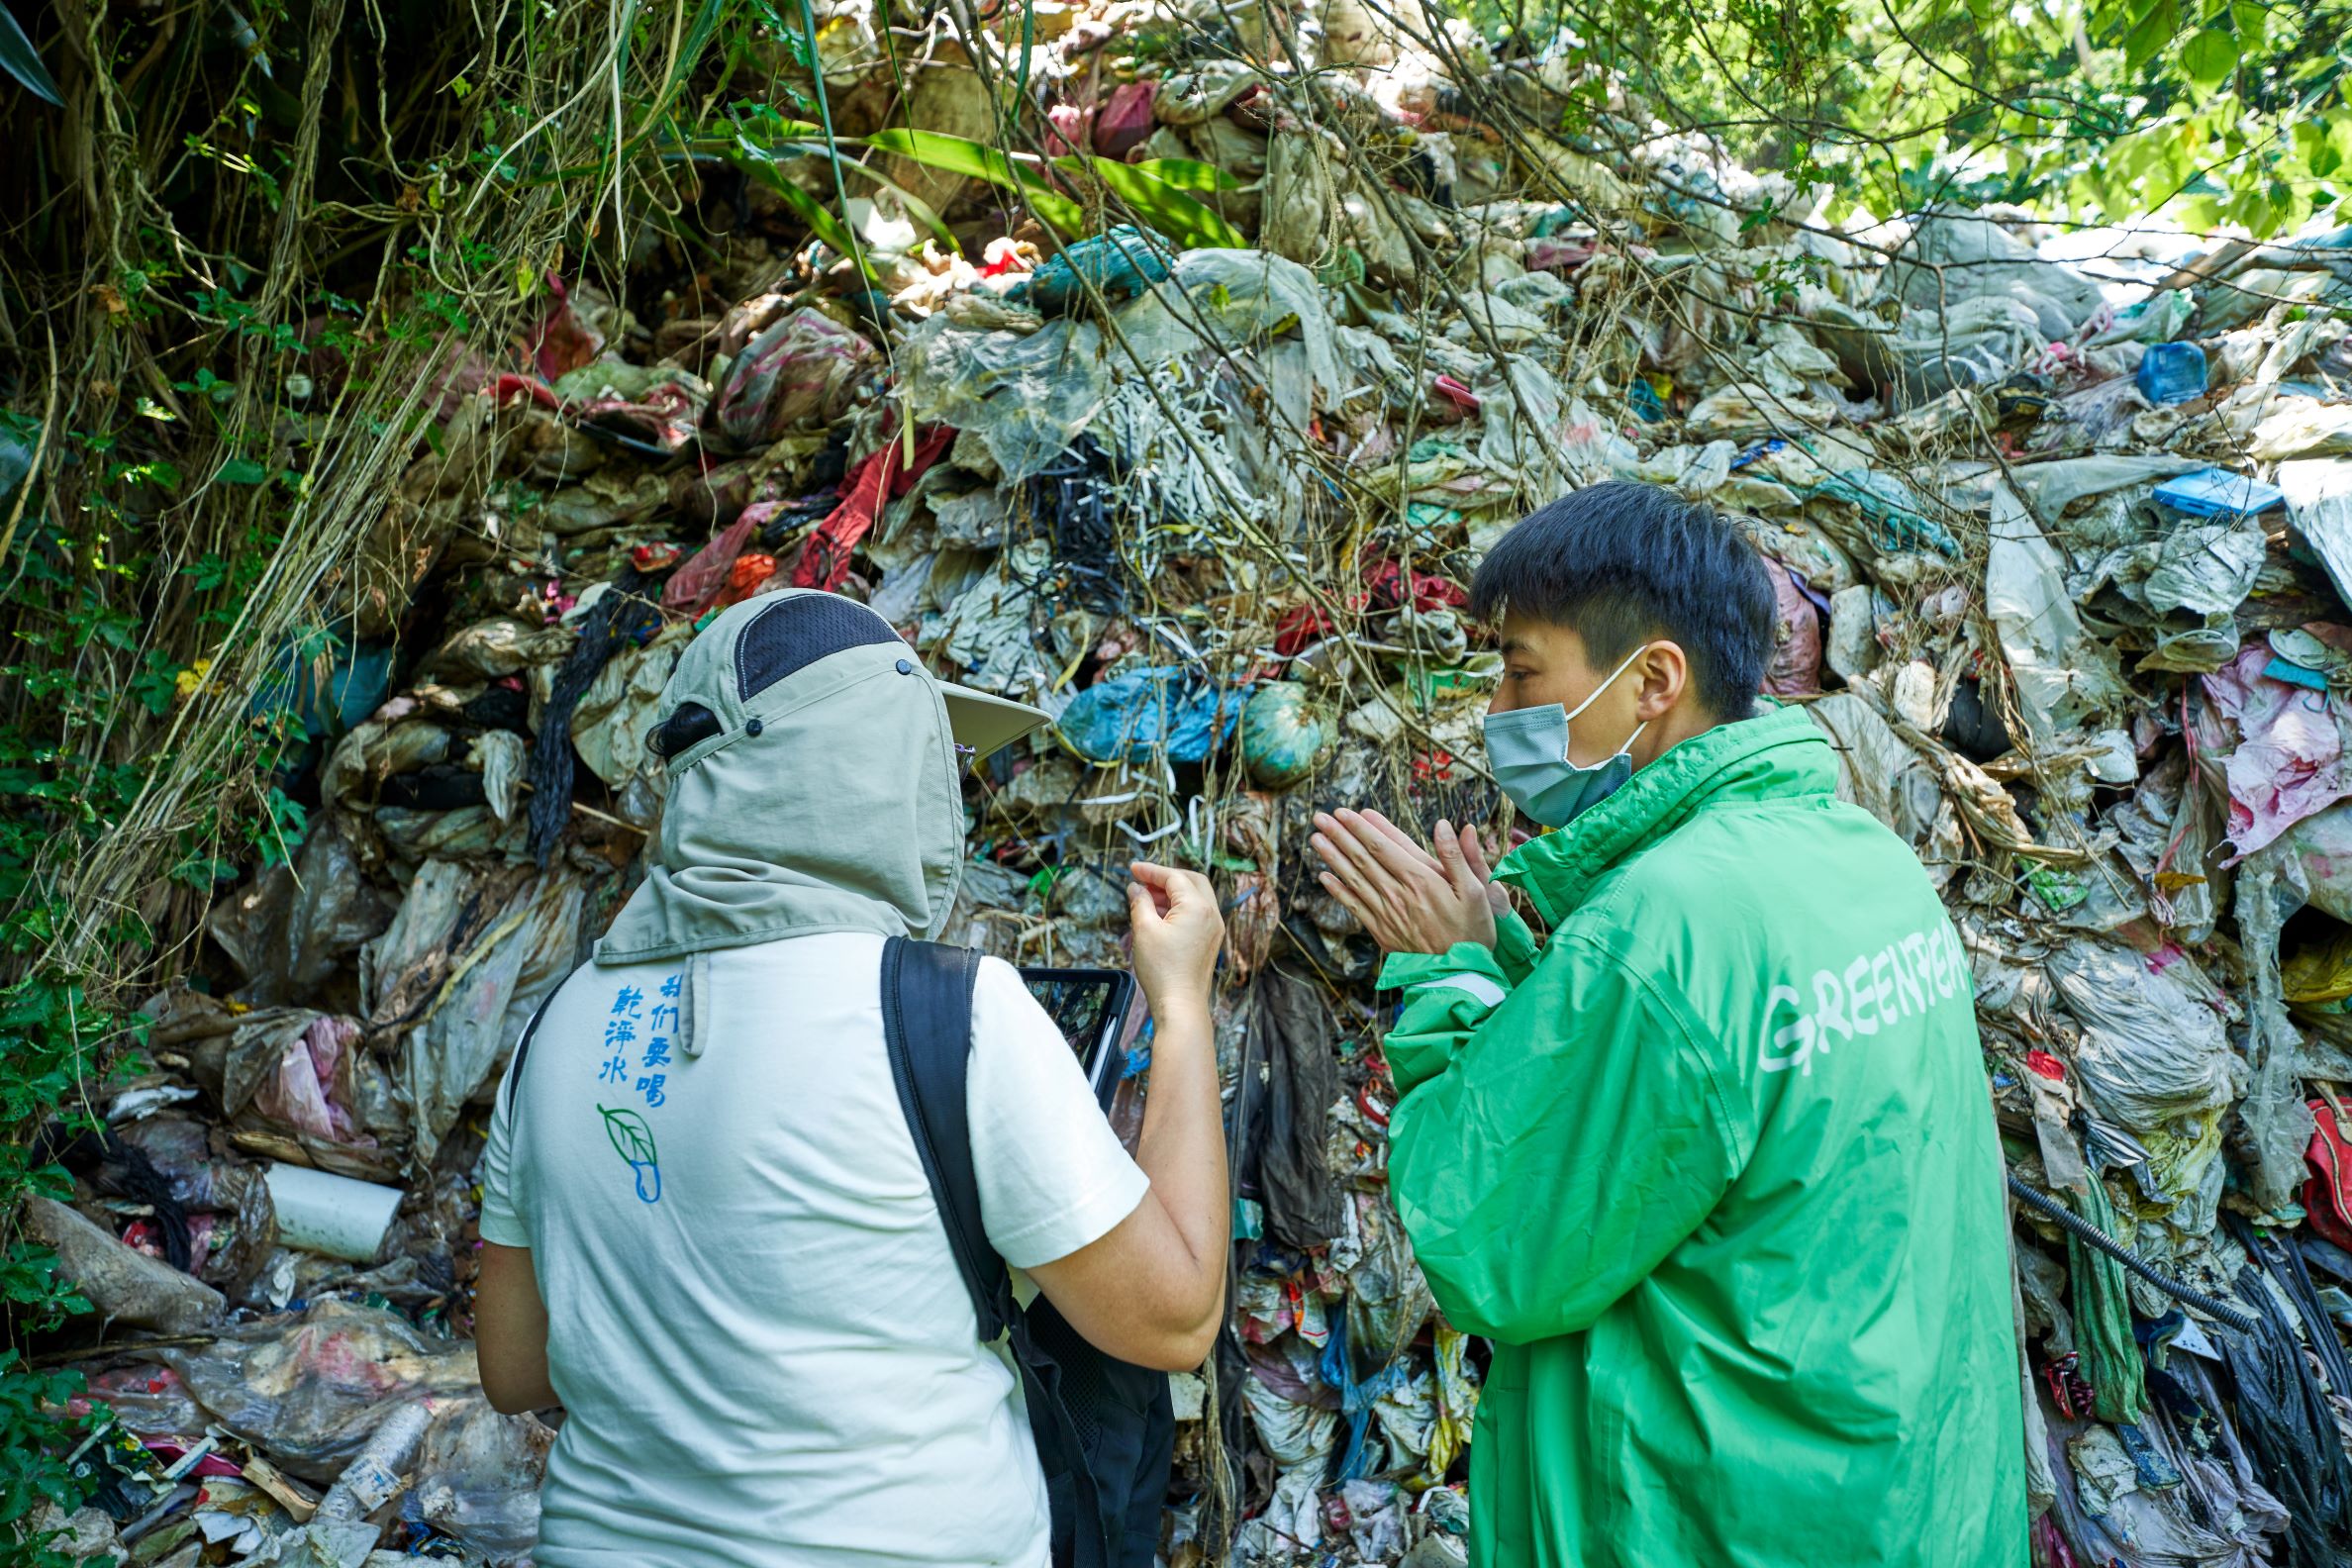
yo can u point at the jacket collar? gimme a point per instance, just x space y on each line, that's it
1778 754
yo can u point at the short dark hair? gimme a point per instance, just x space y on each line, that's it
1621 562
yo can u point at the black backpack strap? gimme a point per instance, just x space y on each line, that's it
927 1024
514 1077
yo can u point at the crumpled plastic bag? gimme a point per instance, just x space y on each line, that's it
147 1400
2318 493
1388 1298
2303 427
992 626
470 1025
2288 761
621 705
308 1391
315 1067
798 373
2051 487
497 647
1132 717
374 753
1252 305
1954 254
2061 675
477 1478
1292 1522
2154 1059
1294 1435
653 409
289 928
1375 1519
1027 395
2182 586
1978 342
502 758
1796 667
1884 774
1121 263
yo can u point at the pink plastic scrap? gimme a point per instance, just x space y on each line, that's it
1795 667
563 341
695 586
2289 763
666 417
1066 129
1125 122
508 386
300 1092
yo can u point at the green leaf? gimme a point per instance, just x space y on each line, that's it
241 471
20 60
962 155
698 38
822 223
2150 33
1178 215
2210 57
1187 174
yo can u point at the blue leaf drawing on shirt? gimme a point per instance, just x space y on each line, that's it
632 1141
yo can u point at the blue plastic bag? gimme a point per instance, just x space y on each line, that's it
1889 503
1129 715
1122 262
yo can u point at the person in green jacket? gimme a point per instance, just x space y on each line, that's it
1715 1166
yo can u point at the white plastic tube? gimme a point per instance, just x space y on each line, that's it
332 1215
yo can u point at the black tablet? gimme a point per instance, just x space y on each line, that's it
1090 1007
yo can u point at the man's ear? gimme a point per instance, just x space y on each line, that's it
1664 671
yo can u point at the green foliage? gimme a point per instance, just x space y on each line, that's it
109 614
2213 112
51 1039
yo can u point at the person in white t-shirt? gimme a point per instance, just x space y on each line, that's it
706 1234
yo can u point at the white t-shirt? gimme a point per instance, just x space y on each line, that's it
762 1342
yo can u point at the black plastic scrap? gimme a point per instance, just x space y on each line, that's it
2287 1422
621 617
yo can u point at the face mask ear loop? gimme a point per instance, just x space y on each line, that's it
1612 681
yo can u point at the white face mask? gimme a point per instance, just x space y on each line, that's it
1527 748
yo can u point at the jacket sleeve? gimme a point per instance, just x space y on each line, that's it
1573 1133
1447 994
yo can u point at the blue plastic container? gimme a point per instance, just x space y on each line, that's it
2218 493
2172 372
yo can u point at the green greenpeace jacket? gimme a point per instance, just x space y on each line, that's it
1717 1172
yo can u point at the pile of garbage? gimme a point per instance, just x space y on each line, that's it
2062 555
